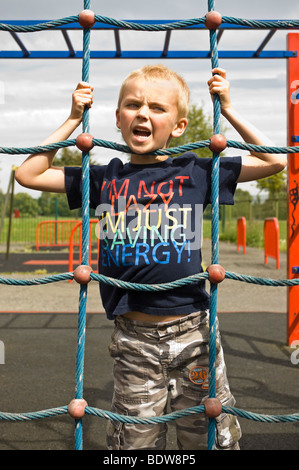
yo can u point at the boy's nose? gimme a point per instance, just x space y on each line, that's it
143 111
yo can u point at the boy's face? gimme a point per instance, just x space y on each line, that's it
148 117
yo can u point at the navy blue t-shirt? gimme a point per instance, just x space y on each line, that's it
150 219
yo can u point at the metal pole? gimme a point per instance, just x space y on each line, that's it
10 212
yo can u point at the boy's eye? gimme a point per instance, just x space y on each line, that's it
159 109
133 105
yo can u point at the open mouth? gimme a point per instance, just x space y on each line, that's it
141 134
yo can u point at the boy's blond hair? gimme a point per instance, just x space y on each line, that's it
160 72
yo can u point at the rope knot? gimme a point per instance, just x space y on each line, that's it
82 274
216 273
84 142
217 143
213 407
213 20
86 18
76 408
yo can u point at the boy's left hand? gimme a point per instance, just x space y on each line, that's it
82 97
219 85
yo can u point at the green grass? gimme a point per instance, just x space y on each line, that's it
254 233
23 232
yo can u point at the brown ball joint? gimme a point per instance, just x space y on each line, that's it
217 143
86 18
213 20
84 142
213 407
76 408
82 274
216 273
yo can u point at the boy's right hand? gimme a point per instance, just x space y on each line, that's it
82 96
220 85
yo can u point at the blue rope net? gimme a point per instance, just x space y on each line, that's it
146 287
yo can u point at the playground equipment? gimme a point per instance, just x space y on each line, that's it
271 240
76 234
293 194
241 234
55 233
211 21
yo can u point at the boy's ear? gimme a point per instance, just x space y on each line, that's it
117 118
180 127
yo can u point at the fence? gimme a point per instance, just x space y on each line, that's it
54 233
256 209
24 227
76 234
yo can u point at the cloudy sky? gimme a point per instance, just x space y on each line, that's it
35 95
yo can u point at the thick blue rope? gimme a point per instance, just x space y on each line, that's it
85 242
62 410
151 287
214 236
254 24
124 148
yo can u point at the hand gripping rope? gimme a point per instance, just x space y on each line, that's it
78 407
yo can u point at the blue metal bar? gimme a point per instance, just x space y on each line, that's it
166 43
71 53
147 55
68 42
219 35
265 42
295 138
20 43
117 42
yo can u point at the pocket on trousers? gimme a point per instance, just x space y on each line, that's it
112 347
131 380
114 434
228 431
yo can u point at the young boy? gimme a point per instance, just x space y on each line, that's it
150 213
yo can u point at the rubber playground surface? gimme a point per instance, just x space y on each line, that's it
38 327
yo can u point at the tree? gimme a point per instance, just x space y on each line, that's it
50 203
26 204
274 184
68 157
199 128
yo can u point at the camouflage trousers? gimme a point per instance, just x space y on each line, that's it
161 365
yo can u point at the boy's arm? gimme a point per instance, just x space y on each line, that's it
37 171
256 165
